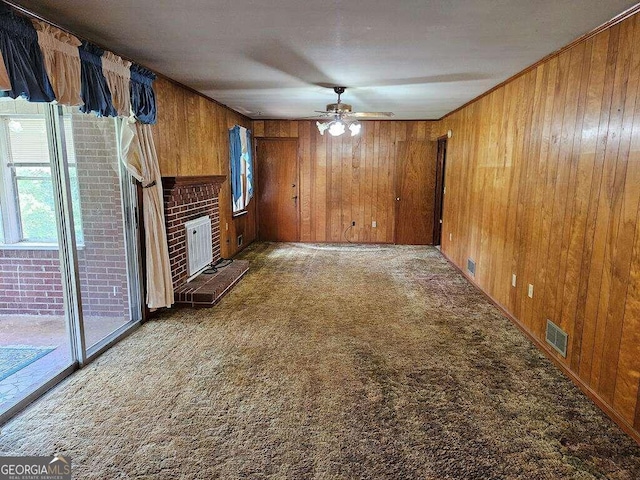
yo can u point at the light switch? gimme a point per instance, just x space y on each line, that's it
530 293
513 280
374 224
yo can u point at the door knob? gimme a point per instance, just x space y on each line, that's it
398 198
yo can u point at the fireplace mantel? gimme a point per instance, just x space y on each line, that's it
169 183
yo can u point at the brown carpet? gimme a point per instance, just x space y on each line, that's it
328 362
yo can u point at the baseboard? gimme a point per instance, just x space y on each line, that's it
586 389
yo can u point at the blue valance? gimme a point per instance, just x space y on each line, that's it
143 98
27 71
94 91
23 58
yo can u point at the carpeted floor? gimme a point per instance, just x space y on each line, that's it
328 362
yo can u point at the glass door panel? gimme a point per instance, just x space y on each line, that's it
35 343
100 212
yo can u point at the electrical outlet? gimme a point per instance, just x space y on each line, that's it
450 236
513 280
530 292
374 224
226 226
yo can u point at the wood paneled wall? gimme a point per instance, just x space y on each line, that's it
345 179
543 181
191 138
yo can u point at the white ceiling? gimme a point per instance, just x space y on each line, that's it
274 59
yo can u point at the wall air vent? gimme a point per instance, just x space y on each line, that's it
557 338
471 267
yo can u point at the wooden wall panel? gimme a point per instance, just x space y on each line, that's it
543 181
345 179
192 139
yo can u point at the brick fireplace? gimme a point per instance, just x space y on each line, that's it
187 198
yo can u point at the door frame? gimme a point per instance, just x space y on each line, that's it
438 209
258 185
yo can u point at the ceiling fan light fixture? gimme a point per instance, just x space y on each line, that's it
337 128
322 127
355 128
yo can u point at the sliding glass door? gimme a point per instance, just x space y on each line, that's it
68 257
35 337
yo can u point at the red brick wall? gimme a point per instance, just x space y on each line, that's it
30 282
183 203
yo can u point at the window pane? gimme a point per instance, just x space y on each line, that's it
30 172
28 139
37 212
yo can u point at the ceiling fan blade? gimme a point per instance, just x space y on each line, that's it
370 114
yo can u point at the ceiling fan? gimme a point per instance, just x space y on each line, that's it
342 117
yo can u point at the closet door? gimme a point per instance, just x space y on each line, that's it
415 187
278 198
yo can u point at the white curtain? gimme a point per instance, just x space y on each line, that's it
61 61
118 74
139 157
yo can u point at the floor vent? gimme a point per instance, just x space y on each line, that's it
471 267
557 338
199 245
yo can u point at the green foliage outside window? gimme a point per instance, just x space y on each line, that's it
37 209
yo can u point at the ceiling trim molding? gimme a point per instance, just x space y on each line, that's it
261 119
31 14
608 24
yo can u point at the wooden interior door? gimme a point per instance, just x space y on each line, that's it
441 160
277 168
415 184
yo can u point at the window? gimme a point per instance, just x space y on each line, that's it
240 156
27 199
